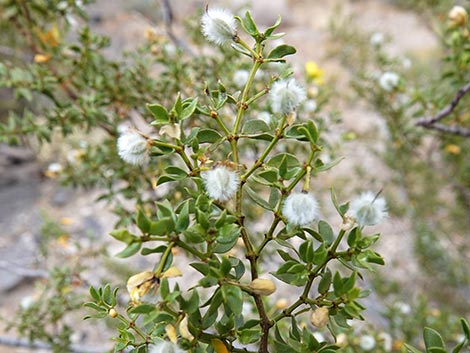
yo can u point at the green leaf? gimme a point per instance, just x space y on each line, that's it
130 250
319 255
325 167
465 328
281 51
325 282
233 299
142 309
183 218
255 126
208 136
228 233
326 232
283 168
432 338
257 199
122 235
161 227
249 24
189 109
271 29
195 234
142 221
412 349
159 112
269 175
94 294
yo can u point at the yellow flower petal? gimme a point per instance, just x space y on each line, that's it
219 346
171 333
452 149
41 58
171 272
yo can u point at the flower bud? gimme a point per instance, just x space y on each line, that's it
113 313
139 284
458 16
319 317
282 304
262 286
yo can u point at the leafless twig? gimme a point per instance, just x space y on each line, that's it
168 18
36 344
432 123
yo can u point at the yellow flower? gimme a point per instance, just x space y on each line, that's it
219 346
51 37
171 333
139 284
314 72
41 58
452 149
171 272
183 328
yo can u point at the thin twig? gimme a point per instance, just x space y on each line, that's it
168 18
432 123
36 344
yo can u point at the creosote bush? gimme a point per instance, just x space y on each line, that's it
207 148
218 154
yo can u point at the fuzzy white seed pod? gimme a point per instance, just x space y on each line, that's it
133 148
165 347
218 26
377 39
240 77
300 208
388 81
286 95
368 209
367 342
310 105
221 183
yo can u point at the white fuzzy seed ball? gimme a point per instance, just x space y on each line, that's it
218 26
221 183
286 95
133 148
300 208
368 209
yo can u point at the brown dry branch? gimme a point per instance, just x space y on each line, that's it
433 122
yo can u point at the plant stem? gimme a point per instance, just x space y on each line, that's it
162 263
259 162
304 296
